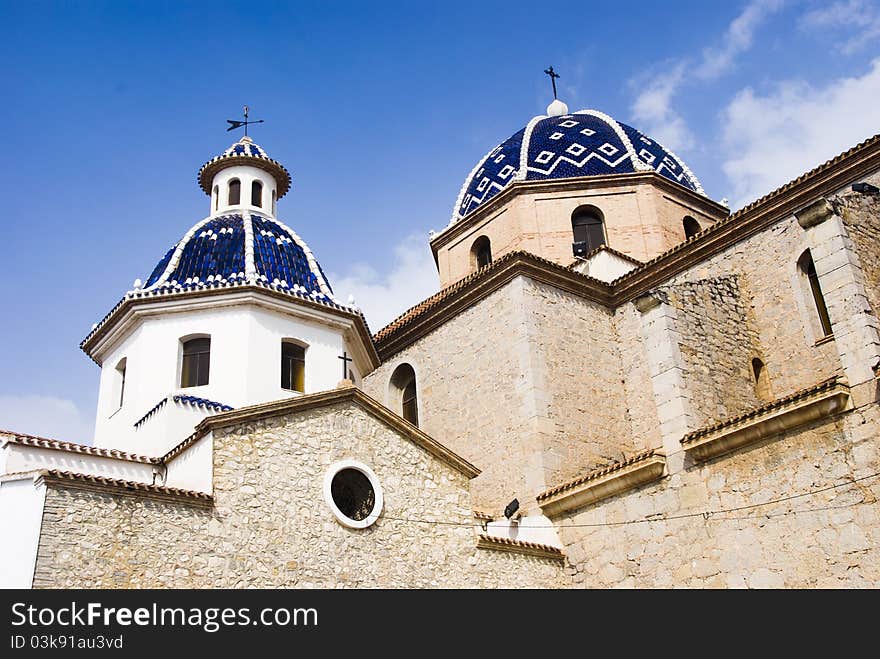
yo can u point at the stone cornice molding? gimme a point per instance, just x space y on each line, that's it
603 483
818 402
118 486
133 308
323 399
519 547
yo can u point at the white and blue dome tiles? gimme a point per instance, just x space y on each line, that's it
240 249
585 143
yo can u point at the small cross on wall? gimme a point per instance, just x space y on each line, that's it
346 372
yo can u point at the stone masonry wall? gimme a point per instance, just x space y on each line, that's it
270 527
477 394
827 540
772 298
576 351
717 345
861 216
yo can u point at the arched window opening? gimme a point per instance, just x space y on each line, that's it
196 362
216 197
404 390
808 271
691 227
234 192
762 379
257 194
481 252
120 378
293 367
273 202
587 226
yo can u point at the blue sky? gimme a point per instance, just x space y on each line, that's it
379 110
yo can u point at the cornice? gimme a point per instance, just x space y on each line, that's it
520 547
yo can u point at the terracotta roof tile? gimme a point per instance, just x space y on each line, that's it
23 439
519 546
757 411
124 484
596 473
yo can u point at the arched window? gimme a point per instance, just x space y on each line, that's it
216 197
691 227
762 379
234 192
120 378
257 194
273 202
588 229
404 393
196 362
808 272
481 253
293 366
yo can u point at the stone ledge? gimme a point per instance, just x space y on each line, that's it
802 407
602 483
520 547
118 486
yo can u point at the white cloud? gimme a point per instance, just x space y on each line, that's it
411 278
653 111
46 416
772 139
653 107
737 39
858 17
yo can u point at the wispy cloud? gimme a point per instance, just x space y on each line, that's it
47 416
737 39
860 19
773 138
654 106
382 297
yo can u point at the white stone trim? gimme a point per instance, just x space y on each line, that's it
313 263
250 269
456 216
378 503
175 258
524 147
638 163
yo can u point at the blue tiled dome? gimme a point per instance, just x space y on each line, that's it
230 249
244 152
584 143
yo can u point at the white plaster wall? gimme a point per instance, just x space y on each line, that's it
247 175
245 368
30 458
21 514
604 266
193 469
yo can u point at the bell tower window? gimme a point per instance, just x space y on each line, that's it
196 363
293 367
481 252
691 227
216 197
234 192
588 228
257 194
403 389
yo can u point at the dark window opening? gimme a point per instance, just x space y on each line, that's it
353 494
482 252
587 226
411 404
403 386
809 269
762 379
691 227
293 367
196 362
257 194
234 192
216 197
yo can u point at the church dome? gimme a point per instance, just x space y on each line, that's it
561 145
241 248
245 152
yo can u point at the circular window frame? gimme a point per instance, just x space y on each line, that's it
378 503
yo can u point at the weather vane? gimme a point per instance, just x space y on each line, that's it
234 123
553 75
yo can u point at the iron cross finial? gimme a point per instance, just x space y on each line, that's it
234 123
553 75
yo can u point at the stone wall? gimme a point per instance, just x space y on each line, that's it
773 300
270 527
578 367
861 216
827 540
717 344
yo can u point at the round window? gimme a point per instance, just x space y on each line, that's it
352 491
